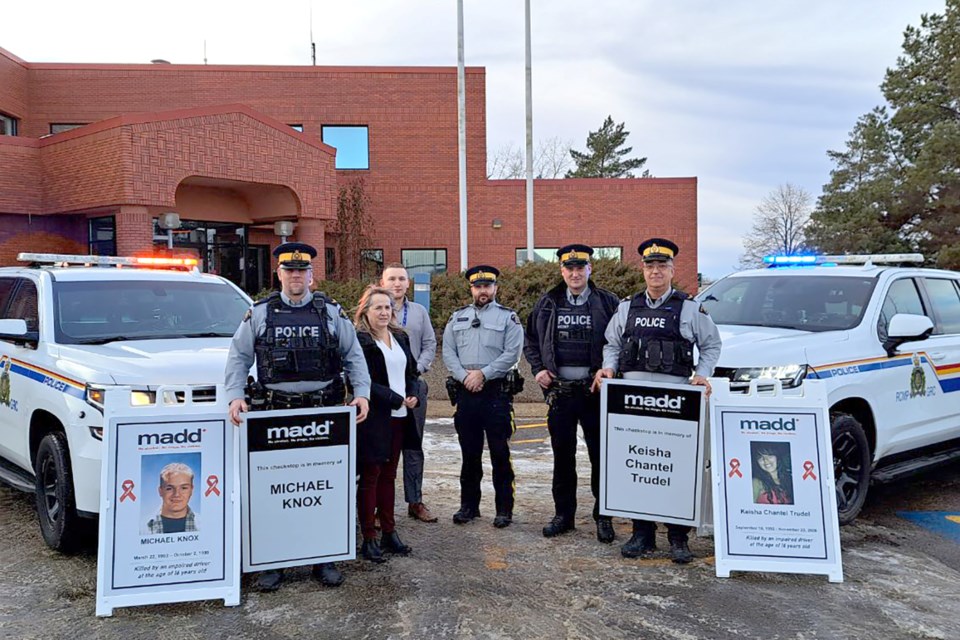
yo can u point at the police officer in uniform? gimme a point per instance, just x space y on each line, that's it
481 346
652 337
301 343
564 346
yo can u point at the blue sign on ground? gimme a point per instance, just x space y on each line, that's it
942 523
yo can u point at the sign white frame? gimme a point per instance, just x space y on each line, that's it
627 501
811 515
291 456
121 415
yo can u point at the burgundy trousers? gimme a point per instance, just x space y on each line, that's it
377 489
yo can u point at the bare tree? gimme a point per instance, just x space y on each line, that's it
779 225
551 159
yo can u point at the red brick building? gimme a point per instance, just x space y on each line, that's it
94 154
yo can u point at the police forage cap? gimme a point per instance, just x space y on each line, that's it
574 255
482 274
657 249
294 255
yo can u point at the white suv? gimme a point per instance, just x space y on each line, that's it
70 331
883 335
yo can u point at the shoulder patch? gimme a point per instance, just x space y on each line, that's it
703 311
514 318
248 315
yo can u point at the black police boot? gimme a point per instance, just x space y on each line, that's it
605 532
465 515
371 551
327 574
641 544
269 581
390 543
503 520
557 526
679 551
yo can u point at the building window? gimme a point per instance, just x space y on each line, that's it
60 127
549 254
371 263
297 127
424 260
8 125
102 234
351 143
330 254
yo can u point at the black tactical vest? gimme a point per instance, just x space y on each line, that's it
651 338
297 345
573 334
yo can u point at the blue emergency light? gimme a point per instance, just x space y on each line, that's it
788 260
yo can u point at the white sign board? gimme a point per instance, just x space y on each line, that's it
299 487
169 505
651 451
774 500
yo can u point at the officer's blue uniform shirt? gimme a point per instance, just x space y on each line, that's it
241 356
493 346
695 326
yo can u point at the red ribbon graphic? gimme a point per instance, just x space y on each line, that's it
212 482
127 486
734 468
808 471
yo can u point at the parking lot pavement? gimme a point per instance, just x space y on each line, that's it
474 581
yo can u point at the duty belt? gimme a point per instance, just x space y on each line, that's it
263 399
562 388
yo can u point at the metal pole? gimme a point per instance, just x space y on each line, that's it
529 138
462 133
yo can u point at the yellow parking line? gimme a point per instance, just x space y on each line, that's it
535 425
537 440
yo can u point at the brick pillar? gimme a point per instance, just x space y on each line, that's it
134 231
311 231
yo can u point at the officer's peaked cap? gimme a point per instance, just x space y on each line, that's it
656 249
574 255
294 255
482 274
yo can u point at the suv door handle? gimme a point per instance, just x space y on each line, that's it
937 356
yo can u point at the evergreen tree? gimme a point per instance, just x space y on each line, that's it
604 157
896 186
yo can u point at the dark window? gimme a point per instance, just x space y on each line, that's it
946 303
103 236
8 125
902 297
330 254
60 127
297 127
6 288
371 263
352 145
23 306
424 260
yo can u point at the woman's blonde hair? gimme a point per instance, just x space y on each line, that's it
360 313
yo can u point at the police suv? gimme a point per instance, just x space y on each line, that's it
71 327
882 334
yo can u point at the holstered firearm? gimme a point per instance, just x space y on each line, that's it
513 382
453 389
562 388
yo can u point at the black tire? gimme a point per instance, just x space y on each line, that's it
851 466
56 505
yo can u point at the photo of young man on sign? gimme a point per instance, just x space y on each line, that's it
177 508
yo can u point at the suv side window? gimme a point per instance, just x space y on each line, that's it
23 306
945 300
6 288
902 297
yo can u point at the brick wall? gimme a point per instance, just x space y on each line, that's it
13 85
41 234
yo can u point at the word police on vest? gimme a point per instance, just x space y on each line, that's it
652 323
780 424
570 320
184 437
313 429
296 332
663 402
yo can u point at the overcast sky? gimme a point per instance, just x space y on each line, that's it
742 94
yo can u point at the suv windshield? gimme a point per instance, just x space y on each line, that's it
807 303
93 312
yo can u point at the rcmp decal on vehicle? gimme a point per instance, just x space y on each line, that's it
43 376
5 383
947 376
918 379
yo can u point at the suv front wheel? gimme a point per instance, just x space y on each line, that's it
56 506
851 466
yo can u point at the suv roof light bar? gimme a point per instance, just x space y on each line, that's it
63 259
854 259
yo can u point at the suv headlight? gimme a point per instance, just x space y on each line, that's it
94 396
789 375
138 397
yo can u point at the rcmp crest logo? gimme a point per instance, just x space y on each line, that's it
918 379
5 381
